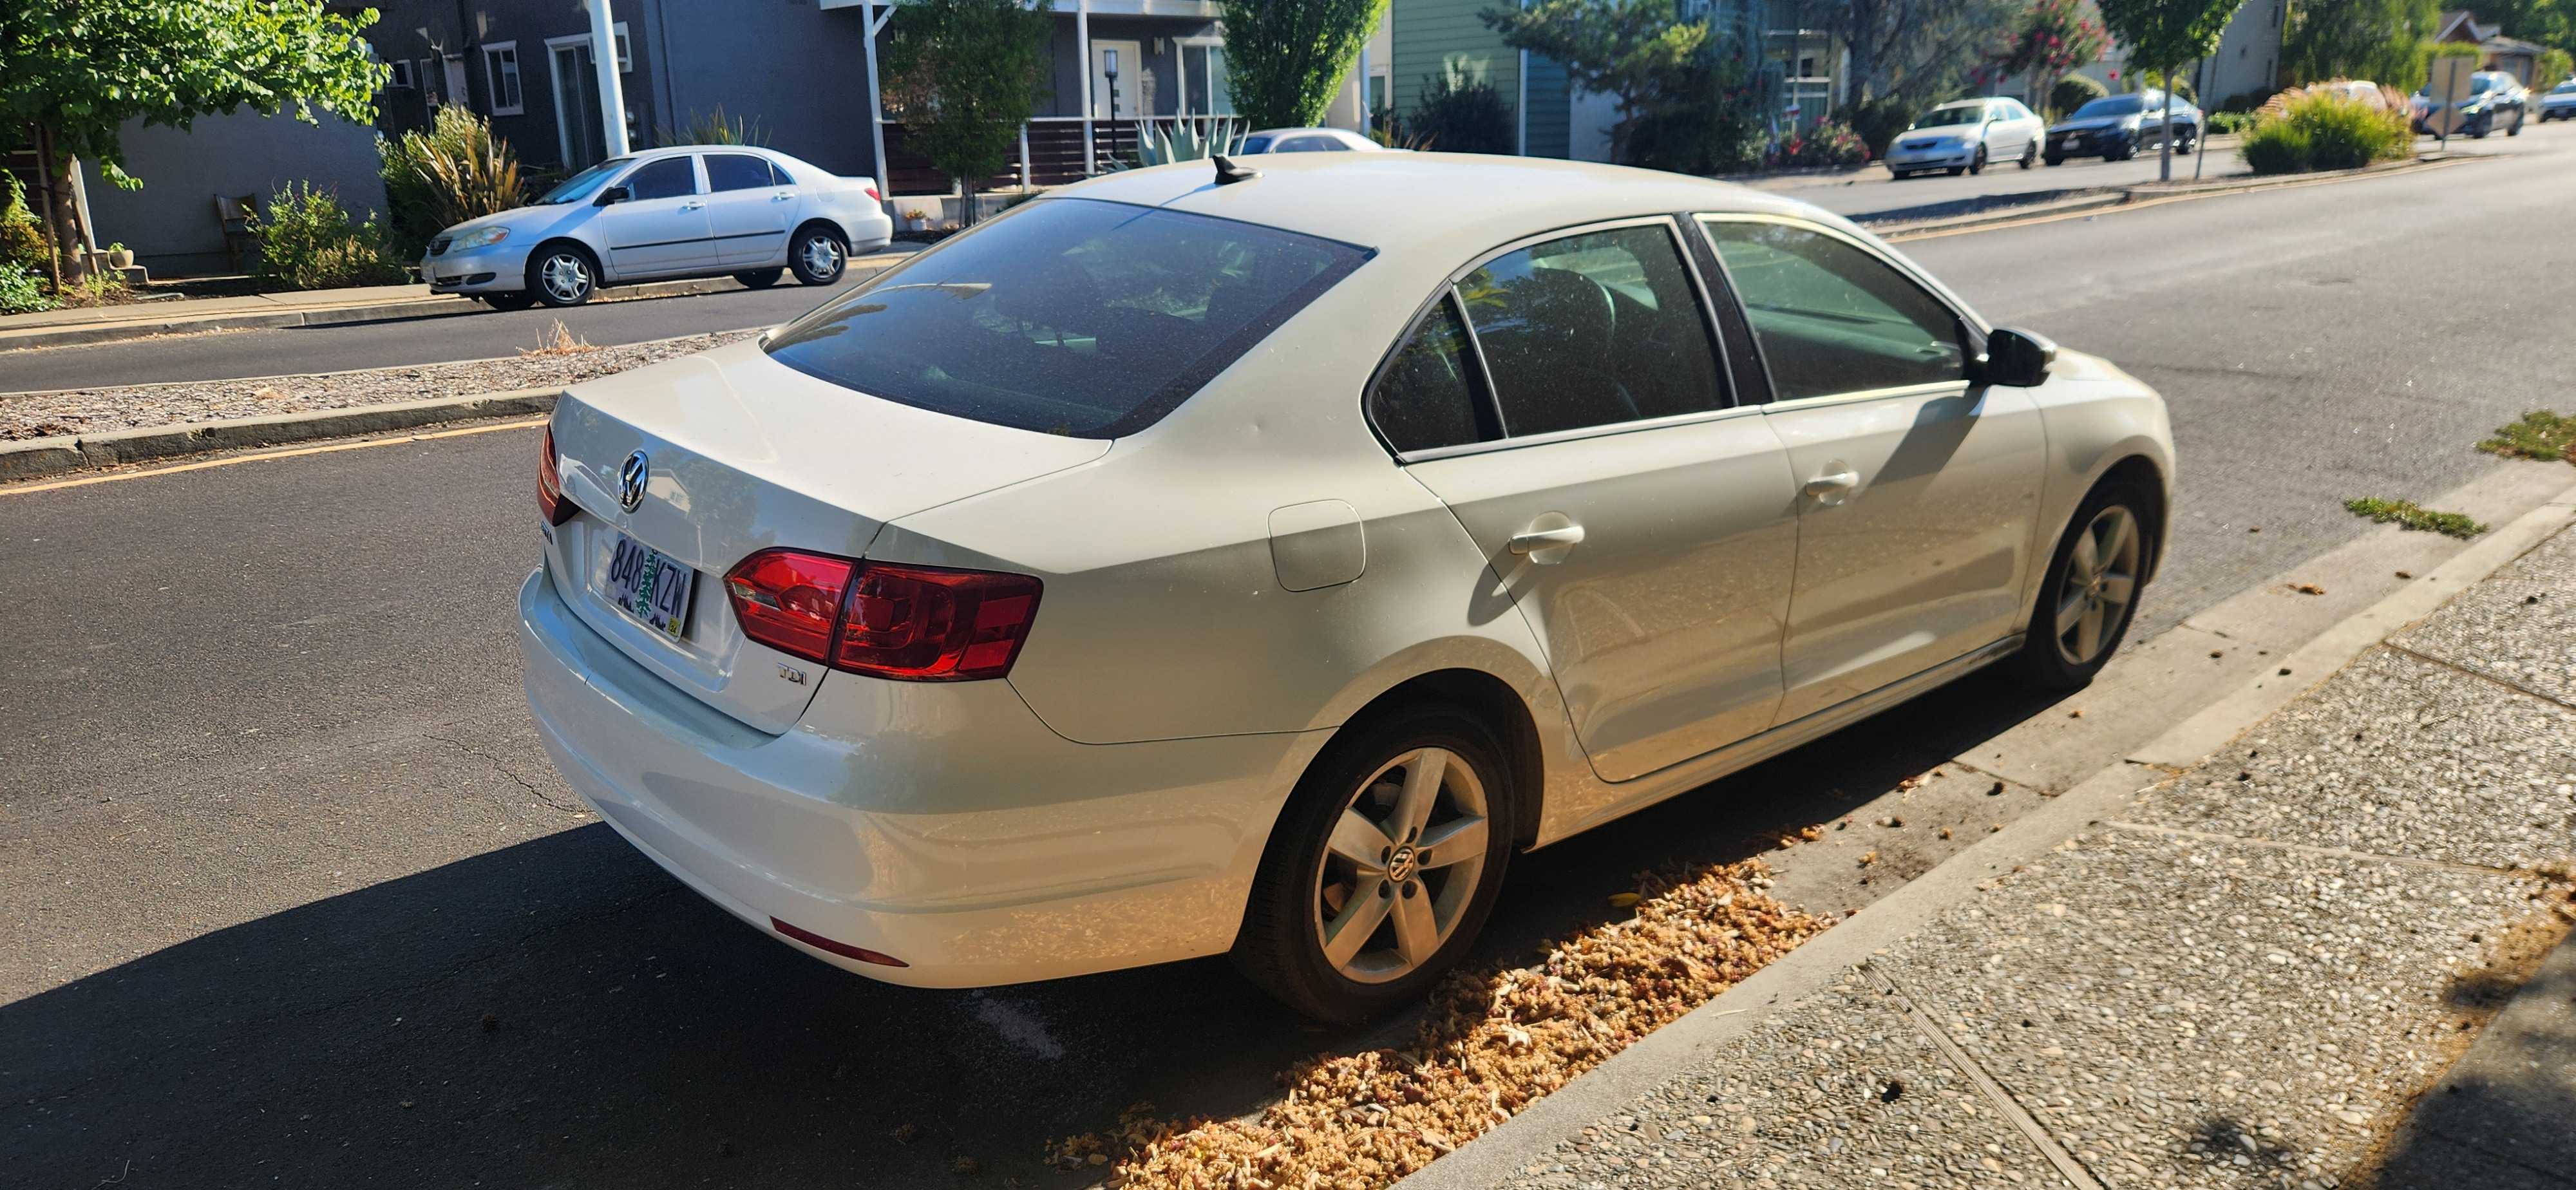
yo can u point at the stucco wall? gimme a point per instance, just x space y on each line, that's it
170 222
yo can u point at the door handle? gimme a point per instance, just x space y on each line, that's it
692 206
783 196
1833 484
1533 541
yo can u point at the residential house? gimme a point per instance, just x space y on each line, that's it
2244 72
2512 55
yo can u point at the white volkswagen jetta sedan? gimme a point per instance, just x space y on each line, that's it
1175 566
692 211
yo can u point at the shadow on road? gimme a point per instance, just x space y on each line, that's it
2502 1117
561 1012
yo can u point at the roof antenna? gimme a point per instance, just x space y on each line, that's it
1228 173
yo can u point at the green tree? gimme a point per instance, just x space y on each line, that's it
2378 40
2051 38
1284 59
964 75
1918 50
2162 35
1638 52
73 72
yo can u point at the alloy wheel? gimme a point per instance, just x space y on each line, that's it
1402 866
566 277
2101 580
822 256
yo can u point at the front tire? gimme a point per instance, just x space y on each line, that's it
818 256
759 278
1977 164
2091 596
563 275
2516 130
2029 153
1383 866
506 301
2054 160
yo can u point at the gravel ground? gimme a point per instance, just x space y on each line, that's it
90 411
2518 627
1841 1086
2396 756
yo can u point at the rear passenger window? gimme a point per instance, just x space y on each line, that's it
1592 329
1425 398
737 171
1832 318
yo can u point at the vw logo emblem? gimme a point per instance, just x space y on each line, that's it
630 480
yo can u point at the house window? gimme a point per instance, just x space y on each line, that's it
625 54
1203 87
501 67
402 76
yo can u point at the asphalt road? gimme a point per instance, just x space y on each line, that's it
294 899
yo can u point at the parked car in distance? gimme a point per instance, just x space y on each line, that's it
2559 103
692 211
1165 569
1308 140
2119 127
2495 99
1964 135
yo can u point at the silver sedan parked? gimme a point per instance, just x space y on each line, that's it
695 211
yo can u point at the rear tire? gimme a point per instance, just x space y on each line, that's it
2090 597
1355 800
818 255
2516 130
2029 153
759 278
2054 160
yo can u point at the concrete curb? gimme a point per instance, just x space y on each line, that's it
41 458
2140 196
1676 1048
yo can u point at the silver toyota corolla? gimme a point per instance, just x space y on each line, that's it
693 211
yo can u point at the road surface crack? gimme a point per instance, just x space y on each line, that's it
499 766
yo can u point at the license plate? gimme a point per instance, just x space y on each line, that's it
649 586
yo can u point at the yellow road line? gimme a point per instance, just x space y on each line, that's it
271 456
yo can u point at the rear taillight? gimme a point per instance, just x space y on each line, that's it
550 497
907 623
872 193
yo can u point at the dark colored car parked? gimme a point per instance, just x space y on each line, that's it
2118 127
2496 100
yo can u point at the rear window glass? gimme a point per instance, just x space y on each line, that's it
1067 316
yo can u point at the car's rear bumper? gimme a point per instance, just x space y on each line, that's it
941 824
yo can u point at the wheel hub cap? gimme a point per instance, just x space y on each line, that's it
2100 581
1403 863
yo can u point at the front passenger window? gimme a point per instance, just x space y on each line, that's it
671 177
1832 318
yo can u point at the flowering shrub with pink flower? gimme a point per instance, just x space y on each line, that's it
1830 142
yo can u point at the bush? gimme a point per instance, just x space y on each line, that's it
2323 130
2226 123
20 293
307 242
1829 143
1878 119
2075 91
1706 125
1459 114
434 180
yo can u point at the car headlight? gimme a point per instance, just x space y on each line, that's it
481 237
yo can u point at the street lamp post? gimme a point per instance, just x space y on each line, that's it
612 93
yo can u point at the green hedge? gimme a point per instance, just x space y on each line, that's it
2324 131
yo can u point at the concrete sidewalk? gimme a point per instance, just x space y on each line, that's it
315 307
2247 973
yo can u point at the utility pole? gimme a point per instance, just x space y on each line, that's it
612 92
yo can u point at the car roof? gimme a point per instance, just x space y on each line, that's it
1977 102
1444 204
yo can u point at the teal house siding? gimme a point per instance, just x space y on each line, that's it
1548 103
1431 34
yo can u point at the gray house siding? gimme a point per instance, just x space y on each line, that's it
800 72
170 221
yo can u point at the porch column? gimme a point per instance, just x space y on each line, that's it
872 22
1082 49
1364 80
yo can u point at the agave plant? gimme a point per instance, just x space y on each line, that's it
1195 141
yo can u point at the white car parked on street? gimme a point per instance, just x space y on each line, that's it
691 211
1185 563
1963 136
1308 140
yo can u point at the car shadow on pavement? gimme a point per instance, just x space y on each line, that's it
562 1012
2502 1115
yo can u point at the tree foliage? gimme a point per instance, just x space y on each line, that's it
2378 40
1920 50
2051 38
1285 58
964 75
1638 52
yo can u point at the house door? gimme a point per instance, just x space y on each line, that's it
577 127
455 91
1114 67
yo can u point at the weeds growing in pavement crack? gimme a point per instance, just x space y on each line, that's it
2410 515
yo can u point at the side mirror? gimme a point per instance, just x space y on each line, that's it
612 196
2017 359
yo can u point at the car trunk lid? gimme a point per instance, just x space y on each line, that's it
740 454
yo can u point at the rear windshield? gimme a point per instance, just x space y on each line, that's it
1067 316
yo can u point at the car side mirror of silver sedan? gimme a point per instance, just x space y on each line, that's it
611 196
2019 359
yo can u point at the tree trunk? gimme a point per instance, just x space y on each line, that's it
62 213
966 204
2164 144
